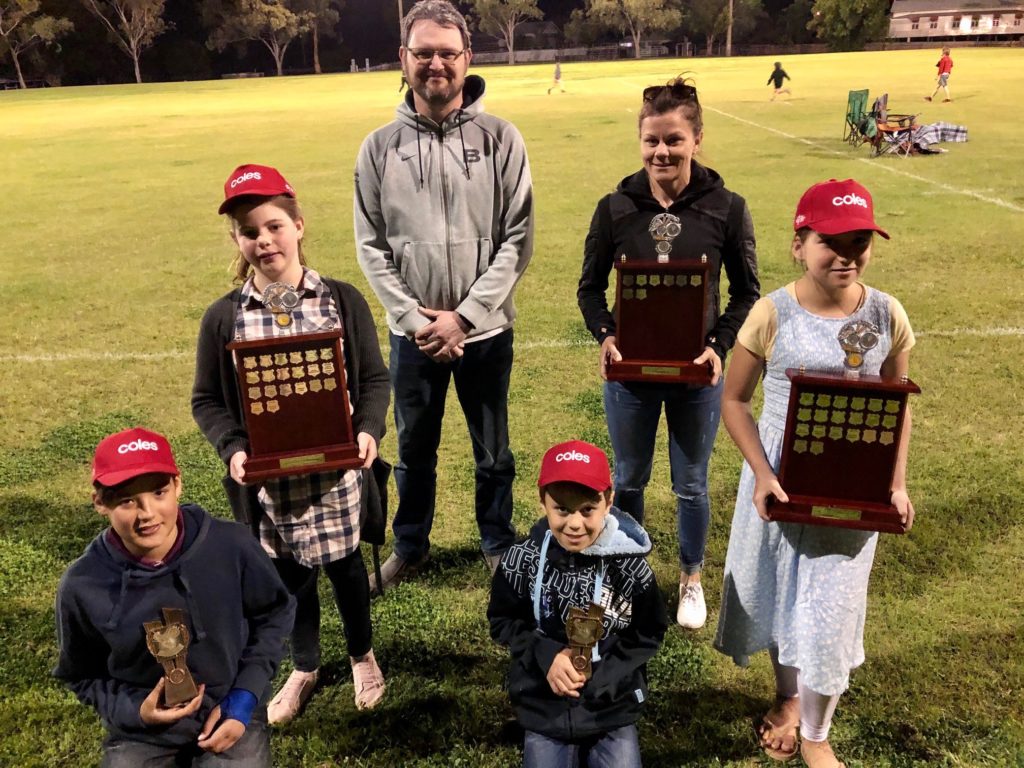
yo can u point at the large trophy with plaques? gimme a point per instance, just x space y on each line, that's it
295 404
659 313
841 442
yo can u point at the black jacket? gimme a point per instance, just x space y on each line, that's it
715 222
634 626
217 407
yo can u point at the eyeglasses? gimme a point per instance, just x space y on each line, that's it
445 54
680 91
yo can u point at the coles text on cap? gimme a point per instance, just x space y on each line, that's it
575 462
833 207
258 180
130 453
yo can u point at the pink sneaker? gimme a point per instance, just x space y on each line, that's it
293 695
368 681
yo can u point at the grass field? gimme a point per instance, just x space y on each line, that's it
113 250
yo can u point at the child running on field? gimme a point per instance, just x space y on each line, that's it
578 706
310 522
800 592
945 65
168 578
776 78
556 81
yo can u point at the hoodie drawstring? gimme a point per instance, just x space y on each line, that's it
193 609
462 138
419 152
115 615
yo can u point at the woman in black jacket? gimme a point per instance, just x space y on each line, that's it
712 221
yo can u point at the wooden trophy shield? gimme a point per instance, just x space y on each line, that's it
839 450
295 403
659 319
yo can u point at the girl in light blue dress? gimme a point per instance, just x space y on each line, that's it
800 592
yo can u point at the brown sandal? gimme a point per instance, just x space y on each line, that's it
769 732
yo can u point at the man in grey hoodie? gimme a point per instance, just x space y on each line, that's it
444 230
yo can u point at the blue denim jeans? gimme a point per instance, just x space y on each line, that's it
633 410
250 751
616 749
421 386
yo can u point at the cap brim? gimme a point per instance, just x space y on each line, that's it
250 193
560 477
839 226
110 479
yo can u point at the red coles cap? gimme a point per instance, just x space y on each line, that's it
834 207
575 462
260 180
129 454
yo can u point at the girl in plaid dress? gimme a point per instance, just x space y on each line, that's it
306 523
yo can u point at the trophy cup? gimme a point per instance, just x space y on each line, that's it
295 404
168 641
659 313
841 442
583 631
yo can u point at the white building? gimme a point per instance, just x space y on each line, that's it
947 20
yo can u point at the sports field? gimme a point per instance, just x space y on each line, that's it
113 250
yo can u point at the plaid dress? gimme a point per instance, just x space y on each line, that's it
312 519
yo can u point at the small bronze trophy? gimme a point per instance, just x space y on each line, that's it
659 313
583 631
168 641
841 442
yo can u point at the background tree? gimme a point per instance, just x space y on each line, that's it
274 23
637 17
501 17
847 24
710 18
133 23
23 25
581 29
323 18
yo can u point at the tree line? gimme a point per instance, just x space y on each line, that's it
73 41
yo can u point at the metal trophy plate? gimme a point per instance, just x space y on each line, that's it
295 404
168 641
841 443
583 630
659 313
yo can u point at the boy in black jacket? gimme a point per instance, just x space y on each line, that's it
170 580
582 565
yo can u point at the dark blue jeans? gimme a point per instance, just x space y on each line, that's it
616 749
421 386
250 751
633 410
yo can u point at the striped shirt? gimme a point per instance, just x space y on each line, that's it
312 519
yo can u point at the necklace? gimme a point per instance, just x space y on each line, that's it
281 299
860 300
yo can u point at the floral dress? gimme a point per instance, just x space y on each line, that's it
801 588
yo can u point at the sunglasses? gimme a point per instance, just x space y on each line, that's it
445 54
680 91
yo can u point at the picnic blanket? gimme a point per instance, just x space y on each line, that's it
933 133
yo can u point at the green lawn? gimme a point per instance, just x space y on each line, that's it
113 250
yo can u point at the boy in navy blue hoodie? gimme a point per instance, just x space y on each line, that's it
578 703
207 581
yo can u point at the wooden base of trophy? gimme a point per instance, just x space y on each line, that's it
295 403
659 317
840 449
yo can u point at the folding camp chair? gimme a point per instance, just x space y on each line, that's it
895 132
859 125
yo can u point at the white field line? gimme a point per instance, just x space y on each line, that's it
875 164
525 346
867 161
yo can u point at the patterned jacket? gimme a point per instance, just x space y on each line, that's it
634 626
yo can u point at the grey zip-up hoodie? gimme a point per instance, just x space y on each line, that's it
444 215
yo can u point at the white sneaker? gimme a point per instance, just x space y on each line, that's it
692 612
368 681
293 694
